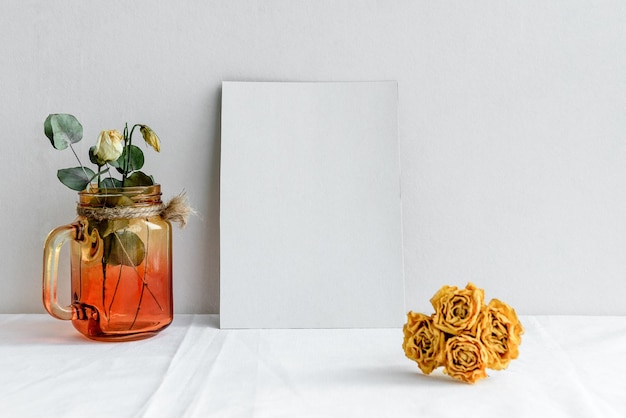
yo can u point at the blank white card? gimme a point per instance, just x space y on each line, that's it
310 213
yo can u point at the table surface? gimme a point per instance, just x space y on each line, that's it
569 366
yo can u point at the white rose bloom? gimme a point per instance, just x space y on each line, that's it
109 146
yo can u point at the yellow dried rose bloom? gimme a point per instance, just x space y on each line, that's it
457 310
500 332
423 343
465 359
463 335
150 137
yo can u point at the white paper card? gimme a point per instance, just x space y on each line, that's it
310 228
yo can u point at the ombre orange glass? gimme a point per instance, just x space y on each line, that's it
121 265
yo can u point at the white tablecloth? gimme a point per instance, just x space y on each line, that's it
569 366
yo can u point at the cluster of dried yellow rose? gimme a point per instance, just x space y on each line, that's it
464 335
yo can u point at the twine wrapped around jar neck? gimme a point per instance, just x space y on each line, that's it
177 211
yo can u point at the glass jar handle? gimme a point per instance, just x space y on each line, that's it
51 250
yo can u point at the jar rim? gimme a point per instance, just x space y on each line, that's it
94 190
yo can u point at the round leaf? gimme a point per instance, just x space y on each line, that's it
139 178
76 178
110 183
92 156
124 164
62 130
123 247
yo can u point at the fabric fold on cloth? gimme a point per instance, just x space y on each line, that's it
568 366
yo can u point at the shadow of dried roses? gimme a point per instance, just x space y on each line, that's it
385 376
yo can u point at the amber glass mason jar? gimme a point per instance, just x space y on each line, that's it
121 265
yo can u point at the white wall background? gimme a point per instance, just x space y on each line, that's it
512 129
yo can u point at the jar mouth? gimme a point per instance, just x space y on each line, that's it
93 189
120 196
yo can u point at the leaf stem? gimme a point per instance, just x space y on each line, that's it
78 159
104 285
127 149
128 142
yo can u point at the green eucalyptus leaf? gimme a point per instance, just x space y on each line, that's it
93 158
126 164
139 178
76 178
101 173
106 227
110 183
62 130
123 248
